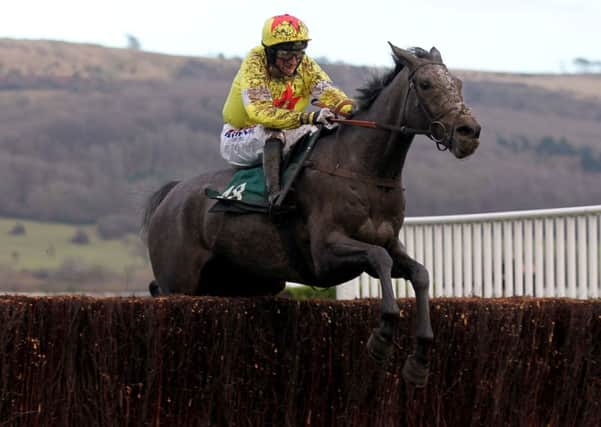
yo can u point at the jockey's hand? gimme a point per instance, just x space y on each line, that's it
346 109
348 114
323 118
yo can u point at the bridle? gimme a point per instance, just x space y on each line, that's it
436 130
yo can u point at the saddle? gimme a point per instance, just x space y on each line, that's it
247 193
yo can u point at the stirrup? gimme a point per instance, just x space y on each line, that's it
274 199
276 206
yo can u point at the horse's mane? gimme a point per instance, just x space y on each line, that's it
373 88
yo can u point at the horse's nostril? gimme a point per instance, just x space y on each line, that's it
465 130
469 130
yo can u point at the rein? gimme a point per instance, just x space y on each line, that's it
442 143
436 131
375 125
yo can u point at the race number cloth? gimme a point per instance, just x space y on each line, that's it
246 191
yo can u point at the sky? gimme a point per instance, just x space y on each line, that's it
521 36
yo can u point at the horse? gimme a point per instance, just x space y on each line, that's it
349 203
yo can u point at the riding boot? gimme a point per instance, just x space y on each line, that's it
272 158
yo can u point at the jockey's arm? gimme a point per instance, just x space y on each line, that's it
325 92
263 112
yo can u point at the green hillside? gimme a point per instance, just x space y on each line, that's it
43 254
48 245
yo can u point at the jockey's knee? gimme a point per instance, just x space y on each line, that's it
275 134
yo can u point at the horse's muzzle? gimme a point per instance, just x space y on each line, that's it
466 136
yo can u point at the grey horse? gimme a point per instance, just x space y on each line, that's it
349 202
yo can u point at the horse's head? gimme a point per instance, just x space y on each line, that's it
437 103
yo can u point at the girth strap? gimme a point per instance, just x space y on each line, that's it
390 183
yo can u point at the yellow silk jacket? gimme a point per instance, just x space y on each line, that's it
257 98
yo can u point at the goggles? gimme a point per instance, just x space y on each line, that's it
287 55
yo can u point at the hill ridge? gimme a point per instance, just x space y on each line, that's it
88 131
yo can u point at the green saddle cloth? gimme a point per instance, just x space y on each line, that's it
246 192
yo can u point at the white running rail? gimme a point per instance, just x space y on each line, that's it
540 253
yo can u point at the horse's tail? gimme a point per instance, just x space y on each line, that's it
153 203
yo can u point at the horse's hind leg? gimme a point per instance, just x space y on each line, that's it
416 367
156 290
177 269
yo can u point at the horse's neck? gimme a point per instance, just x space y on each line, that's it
372 152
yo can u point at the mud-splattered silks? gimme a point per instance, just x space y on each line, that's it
258 99
244 147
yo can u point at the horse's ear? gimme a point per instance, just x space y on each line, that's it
404 56
435 54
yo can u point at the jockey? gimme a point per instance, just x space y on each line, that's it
264 111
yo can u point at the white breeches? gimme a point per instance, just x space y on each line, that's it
244 147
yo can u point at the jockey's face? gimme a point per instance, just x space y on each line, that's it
287 61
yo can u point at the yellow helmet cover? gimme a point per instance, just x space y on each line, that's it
284 29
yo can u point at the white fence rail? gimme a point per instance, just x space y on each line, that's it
541 253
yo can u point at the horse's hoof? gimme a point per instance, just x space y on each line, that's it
379 347
415 373
154 289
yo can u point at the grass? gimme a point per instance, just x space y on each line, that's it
48 246
308 292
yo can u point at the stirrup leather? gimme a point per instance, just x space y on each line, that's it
272 159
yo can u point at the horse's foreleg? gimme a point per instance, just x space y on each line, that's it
340 250
416 367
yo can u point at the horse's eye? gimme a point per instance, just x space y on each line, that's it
425 85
